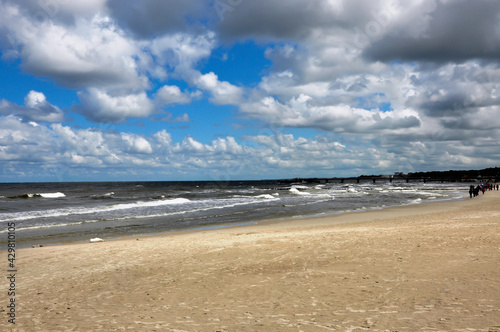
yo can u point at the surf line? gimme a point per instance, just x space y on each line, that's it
11 272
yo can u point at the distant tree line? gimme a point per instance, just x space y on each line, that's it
484 174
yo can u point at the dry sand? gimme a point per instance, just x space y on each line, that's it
431 267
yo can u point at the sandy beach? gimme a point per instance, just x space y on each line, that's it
428 267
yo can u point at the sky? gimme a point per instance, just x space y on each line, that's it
124 90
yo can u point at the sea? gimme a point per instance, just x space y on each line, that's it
59 213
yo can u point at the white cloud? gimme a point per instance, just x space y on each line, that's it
392 92
101 106
22 142
222 93
163 138
34 99
36 108
171 94
301 112
62 146
92 51
26 147
161 16
179 52
137 144
191 145
228 145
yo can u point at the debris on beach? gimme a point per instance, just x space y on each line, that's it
96 239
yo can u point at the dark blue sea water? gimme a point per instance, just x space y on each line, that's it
54 213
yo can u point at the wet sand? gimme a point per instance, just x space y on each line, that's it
429 267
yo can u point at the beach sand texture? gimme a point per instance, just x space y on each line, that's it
430 267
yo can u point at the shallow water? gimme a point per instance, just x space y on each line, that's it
47 213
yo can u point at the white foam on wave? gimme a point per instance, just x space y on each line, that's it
124 206
426 193
295 191
76 211
52 195
266 196
44 195
327 196
298 186
205 206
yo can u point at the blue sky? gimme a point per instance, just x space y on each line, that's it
230 90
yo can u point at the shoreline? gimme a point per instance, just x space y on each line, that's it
289 219
431 266
328 219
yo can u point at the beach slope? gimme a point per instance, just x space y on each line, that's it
432 267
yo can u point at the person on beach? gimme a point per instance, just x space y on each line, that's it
476 191
471 190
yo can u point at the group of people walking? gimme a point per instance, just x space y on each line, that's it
473 192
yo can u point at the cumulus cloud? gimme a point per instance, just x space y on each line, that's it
327 74
450 31
22 142
383 29
86 46
269 20
60 11
137 144
102 106
106 152
36 108
301 112
178 52
222 93
395 82
91 52
162 16
171 94
23 145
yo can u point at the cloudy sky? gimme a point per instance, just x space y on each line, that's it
246 89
